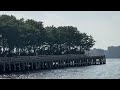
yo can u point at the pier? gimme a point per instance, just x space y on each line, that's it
42 62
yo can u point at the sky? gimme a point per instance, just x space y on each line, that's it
104 26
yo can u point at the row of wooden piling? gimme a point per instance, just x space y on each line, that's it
29 65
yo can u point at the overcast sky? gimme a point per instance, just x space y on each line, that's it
104 26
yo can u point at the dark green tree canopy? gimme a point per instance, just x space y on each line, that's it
30 37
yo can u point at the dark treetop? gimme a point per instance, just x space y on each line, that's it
20 38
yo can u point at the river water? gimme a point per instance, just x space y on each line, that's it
110 70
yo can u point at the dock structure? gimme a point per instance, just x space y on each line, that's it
42 62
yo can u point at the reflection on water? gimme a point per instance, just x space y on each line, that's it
110 70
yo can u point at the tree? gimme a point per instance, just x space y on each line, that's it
30 37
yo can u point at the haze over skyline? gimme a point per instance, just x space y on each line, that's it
104 26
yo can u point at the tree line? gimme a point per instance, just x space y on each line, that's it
19 37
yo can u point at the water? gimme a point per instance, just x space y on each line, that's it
110 70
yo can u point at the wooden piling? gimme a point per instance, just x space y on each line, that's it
3 67
32 65
14 66
23 64
50 62
9 67
19 66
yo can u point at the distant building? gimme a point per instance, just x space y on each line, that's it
96 52
111 52
114 51
106 53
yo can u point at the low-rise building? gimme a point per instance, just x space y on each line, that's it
96 52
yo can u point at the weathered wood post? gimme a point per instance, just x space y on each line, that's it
95 61
19 66
76 62
3 67
72 62
83 61
23 66
39 66
79 62
46 64
58 63
69 62
53 64
49 64
27 65
88 62
35 65
66 63
92 61
62 63
43 64
104 60
32 65
9 67
14 67
100 60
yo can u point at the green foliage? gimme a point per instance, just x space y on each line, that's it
24 36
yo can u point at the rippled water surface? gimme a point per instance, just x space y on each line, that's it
110 70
